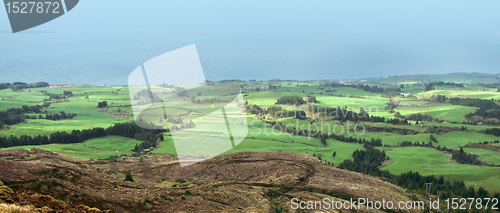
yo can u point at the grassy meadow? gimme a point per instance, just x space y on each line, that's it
99 148
261 137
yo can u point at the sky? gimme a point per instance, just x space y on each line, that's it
101 42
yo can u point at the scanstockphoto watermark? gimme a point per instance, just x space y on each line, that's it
357 204
25 14
309 130
343 120
205 118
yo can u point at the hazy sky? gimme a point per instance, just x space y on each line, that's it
257 39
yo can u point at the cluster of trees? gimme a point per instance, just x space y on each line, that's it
272 87
16 115
102 104
207 100
280 112
492 131
182 125
431 86
465 158
150 137
364 87
58 116
444 149
68 94
439 98
4 85
300 115
488 112
311 99
490 117
254 109
418 117
7 118
409 143
295 100
439 186
489 85
396 121
147 94
350 139
22 85
368 161
443 129
391 130
52 96
475 102
451 84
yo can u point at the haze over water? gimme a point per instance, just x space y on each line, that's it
101 42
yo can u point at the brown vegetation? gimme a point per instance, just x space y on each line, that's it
241 182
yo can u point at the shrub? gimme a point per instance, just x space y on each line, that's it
15 208
128 177
180 180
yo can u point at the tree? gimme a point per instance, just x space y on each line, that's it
68 93
128 177
323 139
429 87
102 104
433 138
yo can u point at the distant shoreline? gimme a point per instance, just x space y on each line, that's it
462 77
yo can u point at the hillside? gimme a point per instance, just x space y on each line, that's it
241 182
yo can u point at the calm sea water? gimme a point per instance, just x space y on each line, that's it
101 42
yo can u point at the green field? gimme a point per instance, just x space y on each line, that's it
99 148
262 137
452 113
487 155
432 162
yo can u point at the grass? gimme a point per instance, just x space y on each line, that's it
85 119
87 115
457 138
261 137
432 162
486 155
473 92
469 127
282 144
452 113
99 148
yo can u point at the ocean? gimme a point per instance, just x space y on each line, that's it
101 42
